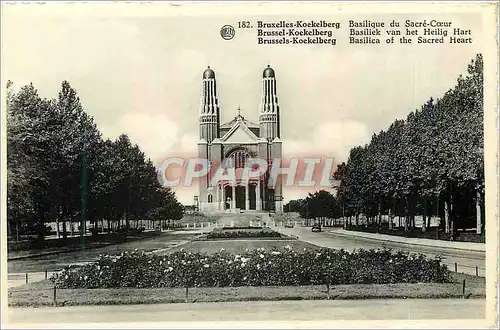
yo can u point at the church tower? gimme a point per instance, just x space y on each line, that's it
209 107
269 119
209 130
270 145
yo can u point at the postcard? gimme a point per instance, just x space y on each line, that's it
250 164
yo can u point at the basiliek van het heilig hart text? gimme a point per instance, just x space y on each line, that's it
359 32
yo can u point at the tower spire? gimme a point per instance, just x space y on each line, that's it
209 107
269 108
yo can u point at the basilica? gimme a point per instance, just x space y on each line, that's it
233 143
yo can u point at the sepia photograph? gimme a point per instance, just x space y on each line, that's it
249 165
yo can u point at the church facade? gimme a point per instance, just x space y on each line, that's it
233 145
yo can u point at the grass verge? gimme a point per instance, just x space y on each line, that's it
41 293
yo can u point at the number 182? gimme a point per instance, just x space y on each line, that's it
244 25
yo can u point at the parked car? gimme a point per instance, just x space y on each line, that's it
289 225
316 227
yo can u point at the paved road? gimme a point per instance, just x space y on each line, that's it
466 260
58 261
312 310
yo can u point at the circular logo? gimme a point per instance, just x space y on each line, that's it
227 32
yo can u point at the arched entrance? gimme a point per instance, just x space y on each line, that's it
240 197
228 193
246 197
252 196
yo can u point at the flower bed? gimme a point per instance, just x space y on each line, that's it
254 268
242 234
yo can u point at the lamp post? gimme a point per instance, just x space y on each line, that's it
196 203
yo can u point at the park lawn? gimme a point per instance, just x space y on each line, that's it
41 293
238 246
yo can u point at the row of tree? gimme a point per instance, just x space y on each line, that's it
321 205
61 170
430 164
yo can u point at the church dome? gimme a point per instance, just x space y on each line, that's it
268 72
209 73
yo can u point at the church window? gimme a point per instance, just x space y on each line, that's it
238 158
210 198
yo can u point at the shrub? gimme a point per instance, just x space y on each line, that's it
242 234
253 268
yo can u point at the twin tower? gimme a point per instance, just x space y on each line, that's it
233 143
210 128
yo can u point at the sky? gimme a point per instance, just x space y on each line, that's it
139 72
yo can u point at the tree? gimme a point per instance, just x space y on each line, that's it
20 203
59 168
341 198
167 206
435 155
28 166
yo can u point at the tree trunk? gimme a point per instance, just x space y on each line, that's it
407 216
446 218
65 229
390 218
40 232
479 224
429 217
57 228
379 220
424 215
412 212
343 216
447 214
10 229
452 218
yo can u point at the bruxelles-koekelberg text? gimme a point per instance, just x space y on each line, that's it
299 24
